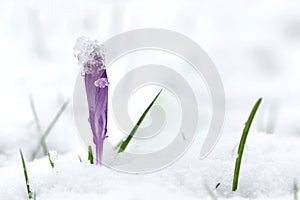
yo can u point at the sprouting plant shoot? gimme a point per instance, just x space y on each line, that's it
90 156
295 190
79 157
48 130
29 192
37 122
242 145
183 136
123 144
50 160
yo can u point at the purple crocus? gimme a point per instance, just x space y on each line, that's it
91 56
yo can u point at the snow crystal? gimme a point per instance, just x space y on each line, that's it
90 54
101 83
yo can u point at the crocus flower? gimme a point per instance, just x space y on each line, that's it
91 56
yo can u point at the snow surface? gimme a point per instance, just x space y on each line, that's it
255 45
268 171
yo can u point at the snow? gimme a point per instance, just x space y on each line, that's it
254 45
267 172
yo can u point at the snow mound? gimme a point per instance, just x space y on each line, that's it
266 173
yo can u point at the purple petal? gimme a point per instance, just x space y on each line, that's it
97 98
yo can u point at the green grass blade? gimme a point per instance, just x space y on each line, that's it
242 145
118 145
51 162
183 136
90 156
37 122
125 143
26 176
48 130
79 157
295 190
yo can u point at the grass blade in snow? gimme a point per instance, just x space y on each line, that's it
125 143
53 122
79 157
242 145
26 176
50 160
37 122
90 156
295 190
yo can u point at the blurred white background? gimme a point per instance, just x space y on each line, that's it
255 45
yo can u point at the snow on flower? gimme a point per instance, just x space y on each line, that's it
91 56
101 82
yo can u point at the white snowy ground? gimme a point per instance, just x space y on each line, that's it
268 172
255 46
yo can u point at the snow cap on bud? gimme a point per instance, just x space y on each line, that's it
91 55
